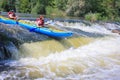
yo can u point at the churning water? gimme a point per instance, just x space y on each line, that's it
81 58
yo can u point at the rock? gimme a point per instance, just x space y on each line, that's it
17 34
116 31
12 36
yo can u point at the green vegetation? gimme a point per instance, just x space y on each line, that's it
93 17
89 9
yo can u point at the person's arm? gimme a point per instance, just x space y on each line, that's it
13 17
36 22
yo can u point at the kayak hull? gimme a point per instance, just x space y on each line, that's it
45 31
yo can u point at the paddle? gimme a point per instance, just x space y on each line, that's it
17 21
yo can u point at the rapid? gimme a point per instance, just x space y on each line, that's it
93 53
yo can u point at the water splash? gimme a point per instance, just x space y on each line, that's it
97 60
44 48
102 28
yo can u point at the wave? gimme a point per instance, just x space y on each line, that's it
97 60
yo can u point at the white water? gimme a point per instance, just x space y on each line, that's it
99 60
94 28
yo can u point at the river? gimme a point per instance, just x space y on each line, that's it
94 54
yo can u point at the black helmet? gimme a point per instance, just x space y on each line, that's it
12 10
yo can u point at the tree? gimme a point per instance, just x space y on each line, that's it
24 6
61 4
40 7
8 5
74 7
111 8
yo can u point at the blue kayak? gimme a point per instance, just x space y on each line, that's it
46 31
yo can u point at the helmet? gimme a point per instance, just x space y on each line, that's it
12 10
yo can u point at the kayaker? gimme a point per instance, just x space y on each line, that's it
40 21
12 15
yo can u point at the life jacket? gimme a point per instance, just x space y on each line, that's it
40 22
11 14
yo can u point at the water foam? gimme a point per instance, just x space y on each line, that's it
105 28
95 61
